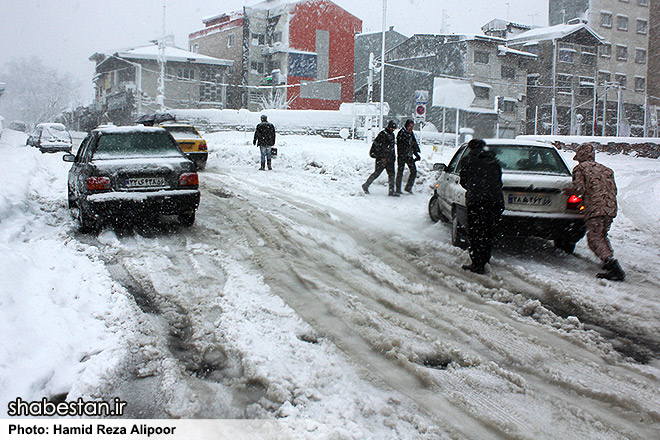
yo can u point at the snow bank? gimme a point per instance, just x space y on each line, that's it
637 146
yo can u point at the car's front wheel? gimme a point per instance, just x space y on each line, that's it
458 235
187 218
567 246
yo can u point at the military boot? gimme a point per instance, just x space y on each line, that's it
613 270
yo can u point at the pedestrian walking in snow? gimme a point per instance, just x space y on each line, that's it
382 150
264 138
481 176
407 151
595 183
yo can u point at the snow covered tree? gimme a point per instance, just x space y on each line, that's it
34 92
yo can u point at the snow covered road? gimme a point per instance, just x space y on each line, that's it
296 296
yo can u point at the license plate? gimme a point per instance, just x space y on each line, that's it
530 200
145 182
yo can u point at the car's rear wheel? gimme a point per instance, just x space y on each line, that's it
458 235
187 218
88 221
567 246
72 200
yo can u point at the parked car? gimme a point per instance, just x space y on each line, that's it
18 126
124 173
533 177
191 142
50 138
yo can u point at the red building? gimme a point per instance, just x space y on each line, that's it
294 54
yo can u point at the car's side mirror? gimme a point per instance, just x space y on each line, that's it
69 158
439 167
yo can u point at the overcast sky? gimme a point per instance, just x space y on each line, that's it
64 33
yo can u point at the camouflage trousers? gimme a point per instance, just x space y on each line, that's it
597 229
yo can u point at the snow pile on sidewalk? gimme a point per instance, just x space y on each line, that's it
57 308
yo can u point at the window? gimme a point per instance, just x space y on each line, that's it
185 74
303 65
588 57
641 26
606 19
195 48
621 52
230 40
508 72
275 65
564 83
606 50
169 74
643 2
258 39
604 77
566 53
640 84
481 57
622 79
277 37
622 22
257 67
586 86
481 92
508 106
640 56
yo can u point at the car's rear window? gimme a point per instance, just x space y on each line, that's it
183 132
526 158
135 144
56 133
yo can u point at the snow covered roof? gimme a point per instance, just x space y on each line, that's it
556 32
172 53
503 50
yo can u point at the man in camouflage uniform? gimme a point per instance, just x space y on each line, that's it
595 183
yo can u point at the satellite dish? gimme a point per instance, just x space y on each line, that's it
344 133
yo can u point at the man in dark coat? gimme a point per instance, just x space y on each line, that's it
382 150
595 183
264 137
481 176
407 154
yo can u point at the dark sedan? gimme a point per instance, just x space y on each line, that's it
125 173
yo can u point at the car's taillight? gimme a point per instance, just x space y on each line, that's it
574 202
202 146
95 183
188 179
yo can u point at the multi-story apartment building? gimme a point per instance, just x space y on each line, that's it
127 81
296 54
561 79
497 75
623 59
368 43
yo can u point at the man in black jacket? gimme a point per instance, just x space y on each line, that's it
264 137
407 151
481 176
382 150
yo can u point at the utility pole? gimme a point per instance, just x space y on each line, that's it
161 62
382 66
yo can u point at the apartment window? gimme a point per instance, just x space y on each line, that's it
481 57
258 39
231 40
564 83
606 50
509 106
622 79
622 22
640 84
643 2
621 52
185 74
566 53
169 74
642 26
606 19
588 57
481 92
195 48
257 67
604 77
277 37
508 72
586 86
640 56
